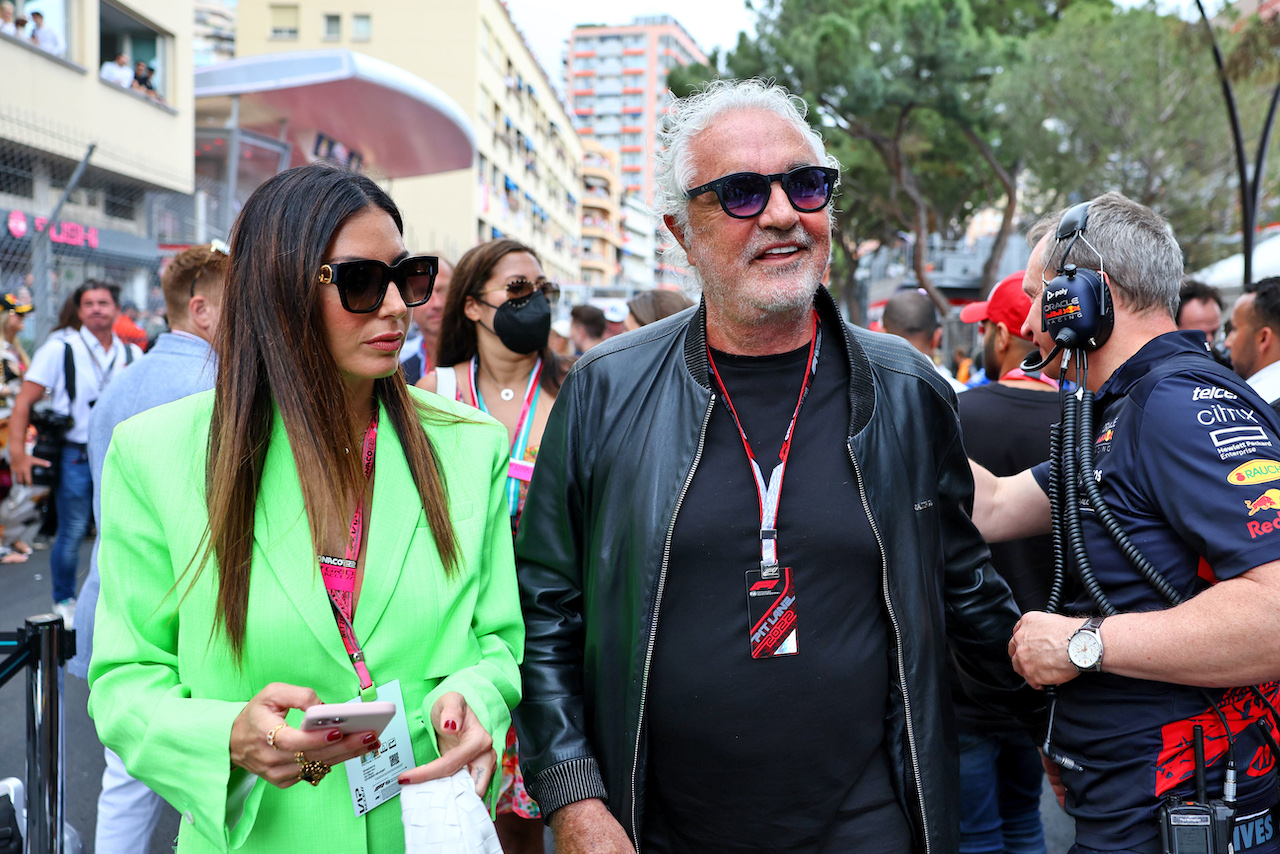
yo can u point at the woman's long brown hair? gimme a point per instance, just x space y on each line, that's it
273 356
458 332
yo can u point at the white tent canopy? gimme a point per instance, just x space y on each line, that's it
399 123
1229 272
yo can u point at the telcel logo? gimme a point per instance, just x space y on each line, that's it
1253 472
1212 394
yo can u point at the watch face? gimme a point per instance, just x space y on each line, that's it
1084 649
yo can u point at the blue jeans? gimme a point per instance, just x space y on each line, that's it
1000 777
74 499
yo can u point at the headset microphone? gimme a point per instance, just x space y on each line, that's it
1033 362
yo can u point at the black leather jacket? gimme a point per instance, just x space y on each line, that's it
620 449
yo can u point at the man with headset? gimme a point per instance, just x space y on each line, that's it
1187 459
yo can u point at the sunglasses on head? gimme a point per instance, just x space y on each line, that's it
518 289
743 195
363 284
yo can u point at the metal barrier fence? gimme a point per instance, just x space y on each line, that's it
42 648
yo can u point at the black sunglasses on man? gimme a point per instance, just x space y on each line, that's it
743 195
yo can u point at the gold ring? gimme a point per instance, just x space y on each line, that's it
271 736
310 771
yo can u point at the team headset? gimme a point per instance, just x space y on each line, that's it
1078 312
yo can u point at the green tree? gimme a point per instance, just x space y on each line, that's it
1152 126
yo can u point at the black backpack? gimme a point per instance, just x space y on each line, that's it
10 833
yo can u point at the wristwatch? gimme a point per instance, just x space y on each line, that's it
1085 646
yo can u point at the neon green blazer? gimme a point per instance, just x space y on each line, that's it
164 688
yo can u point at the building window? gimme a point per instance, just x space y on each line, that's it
361 27
17 177
332 28
145 68
284 22
121 201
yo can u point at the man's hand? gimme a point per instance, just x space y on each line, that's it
1039 648
21 464
587 827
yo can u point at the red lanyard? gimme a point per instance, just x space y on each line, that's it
340 573
1019 374
770 493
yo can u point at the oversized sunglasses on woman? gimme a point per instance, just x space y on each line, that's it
743 195
362 284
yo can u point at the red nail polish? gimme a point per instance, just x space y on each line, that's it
403 781
452 726
335 735
370 738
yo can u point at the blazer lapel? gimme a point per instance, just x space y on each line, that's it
394 517
283 542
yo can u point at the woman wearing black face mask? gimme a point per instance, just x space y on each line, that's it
494 353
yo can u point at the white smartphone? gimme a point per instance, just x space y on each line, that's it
349 717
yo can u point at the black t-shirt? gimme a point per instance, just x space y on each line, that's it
786 753
1006 430
1188 463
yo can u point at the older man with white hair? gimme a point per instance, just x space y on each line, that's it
745 554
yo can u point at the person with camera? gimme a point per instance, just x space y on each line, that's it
73 370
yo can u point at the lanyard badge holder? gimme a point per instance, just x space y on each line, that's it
771 590
371 778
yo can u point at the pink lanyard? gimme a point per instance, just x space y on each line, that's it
340 573
517 467
770 493
1019 374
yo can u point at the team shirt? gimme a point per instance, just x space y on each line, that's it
1188 459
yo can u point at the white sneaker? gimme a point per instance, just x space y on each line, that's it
66 609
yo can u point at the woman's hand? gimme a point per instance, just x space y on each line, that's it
274 760
463 742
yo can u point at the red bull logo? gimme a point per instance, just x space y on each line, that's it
1269 500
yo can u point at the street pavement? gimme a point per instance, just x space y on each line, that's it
26 589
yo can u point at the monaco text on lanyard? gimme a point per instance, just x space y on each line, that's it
340 572
771 612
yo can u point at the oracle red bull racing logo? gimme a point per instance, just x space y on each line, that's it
1267 501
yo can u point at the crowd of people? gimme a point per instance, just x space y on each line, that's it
44 37
536 540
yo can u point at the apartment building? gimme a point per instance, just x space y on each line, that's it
616 79
58 105
639 244
524 183
214 38
601 215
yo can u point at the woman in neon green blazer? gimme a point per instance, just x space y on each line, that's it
310 490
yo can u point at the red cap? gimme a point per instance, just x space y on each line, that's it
1007 304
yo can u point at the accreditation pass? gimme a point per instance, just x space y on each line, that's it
372 777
